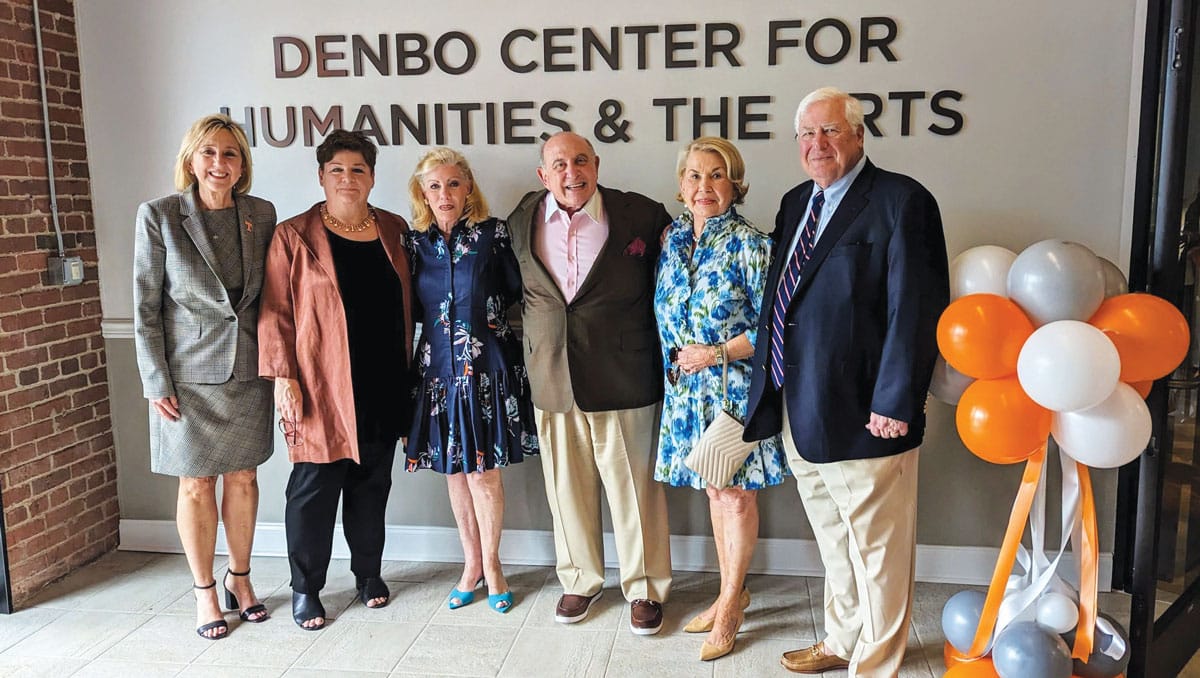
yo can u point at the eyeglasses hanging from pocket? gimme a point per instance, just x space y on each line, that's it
291 432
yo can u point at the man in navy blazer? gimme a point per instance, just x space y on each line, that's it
845 351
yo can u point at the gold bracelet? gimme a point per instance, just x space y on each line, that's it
718 355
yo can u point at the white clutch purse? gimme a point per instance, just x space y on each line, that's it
720 452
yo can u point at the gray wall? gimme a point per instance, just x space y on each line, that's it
1044 152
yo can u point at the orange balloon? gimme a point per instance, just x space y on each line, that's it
981 335
980 668
1143 387
952 657
1150 334
999 423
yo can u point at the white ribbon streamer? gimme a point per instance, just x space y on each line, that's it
1040 574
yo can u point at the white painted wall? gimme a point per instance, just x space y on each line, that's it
1045 151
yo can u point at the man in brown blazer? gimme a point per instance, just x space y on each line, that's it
587 256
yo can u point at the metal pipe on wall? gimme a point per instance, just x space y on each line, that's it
37 37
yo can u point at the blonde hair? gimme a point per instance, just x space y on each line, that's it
476 209
735 167
196 134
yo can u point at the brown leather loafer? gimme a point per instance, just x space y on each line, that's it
812 660
645 617
573 608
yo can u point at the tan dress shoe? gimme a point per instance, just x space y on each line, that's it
709 652
812 660
699 624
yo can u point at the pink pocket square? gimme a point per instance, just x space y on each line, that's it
636 248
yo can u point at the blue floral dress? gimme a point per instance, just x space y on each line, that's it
472 408
710 296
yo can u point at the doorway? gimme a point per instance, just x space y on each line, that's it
1157 550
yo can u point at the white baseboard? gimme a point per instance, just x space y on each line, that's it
116 328
799 557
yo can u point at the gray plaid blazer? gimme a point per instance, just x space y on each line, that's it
185 327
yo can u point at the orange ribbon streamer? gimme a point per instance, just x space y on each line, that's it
1008 551
1088 576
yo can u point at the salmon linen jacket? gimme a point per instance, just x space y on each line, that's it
302 330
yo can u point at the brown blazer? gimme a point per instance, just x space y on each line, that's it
302 329
601 350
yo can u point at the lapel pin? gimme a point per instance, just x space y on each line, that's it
249 225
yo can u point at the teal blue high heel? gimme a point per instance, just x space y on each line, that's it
501 602
463 597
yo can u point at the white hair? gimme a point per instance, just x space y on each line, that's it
854 109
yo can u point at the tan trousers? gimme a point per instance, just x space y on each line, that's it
863 514
582 451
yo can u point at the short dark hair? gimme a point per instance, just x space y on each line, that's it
343 140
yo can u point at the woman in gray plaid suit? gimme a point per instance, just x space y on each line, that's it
198 270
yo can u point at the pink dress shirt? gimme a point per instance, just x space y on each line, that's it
568 246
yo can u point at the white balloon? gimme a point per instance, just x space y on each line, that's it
1056 612
1109 435
981 270
948 383
1068 365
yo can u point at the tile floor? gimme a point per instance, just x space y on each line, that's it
131 615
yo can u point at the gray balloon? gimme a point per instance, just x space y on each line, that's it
1114 279
1100 663
1026 650
1056 280
948 383
960 618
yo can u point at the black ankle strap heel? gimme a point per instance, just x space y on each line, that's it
203 630
231 601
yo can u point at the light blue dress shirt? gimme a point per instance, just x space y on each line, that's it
833 198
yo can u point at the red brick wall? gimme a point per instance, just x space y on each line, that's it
58 471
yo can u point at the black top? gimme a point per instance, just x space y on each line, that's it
373 300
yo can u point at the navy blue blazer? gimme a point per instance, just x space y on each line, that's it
860 333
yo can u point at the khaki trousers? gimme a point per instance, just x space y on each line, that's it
582 451
863 514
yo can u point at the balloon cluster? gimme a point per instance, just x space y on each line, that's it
1047 343
1031 648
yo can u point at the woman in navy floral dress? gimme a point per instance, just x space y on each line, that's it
473 413
710 286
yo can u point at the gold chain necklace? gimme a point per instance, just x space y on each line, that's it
337 224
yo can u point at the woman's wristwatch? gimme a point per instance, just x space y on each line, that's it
718 355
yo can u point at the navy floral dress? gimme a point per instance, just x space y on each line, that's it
710 296
472 408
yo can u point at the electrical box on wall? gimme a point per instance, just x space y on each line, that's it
66 270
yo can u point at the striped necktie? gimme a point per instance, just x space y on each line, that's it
787 286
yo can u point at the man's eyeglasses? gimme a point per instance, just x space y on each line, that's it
830 132
291 432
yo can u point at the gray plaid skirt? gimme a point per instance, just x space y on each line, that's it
221 428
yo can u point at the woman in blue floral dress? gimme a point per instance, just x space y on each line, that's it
472 412
710 286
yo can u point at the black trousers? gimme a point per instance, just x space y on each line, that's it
313 491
